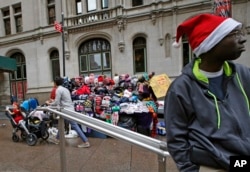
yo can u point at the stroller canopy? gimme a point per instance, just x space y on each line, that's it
30 104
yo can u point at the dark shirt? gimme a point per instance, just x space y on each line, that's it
216 86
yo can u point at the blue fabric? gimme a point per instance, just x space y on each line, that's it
144 119
30 104
78 130
216 87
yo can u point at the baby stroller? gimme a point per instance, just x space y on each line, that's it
32 127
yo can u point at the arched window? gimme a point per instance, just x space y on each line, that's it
140 57
18 78
94 57
55 63
21 67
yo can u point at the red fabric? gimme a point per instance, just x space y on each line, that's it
100 78
112 82
58 26
83 90
155 121
198 28
17 115
108 81
53 93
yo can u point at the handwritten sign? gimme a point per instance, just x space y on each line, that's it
160 84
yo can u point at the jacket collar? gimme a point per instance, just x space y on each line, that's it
201 77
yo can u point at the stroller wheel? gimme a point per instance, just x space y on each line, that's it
31 139
15 138
45 136
23 135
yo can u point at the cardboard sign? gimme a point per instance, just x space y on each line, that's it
160 84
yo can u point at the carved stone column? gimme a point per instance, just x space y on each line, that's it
121 24
160 25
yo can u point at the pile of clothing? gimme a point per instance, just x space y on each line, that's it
124 101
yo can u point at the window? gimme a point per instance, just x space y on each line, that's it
51 1
187 53
18 80
21 67
139 59
51 12
83 64
17 9
105 4
18 17
78 7
6 20
91 4
7 26
6 13
55 63
94 61
106 60
94 57
19 27
137 3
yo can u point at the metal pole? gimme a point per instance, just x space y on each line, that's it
62 145
63 45
162 160
117 132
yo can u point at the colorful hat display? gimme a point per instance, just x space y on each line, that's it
204 31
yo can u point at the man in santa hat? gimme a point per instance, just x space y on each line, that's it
207 111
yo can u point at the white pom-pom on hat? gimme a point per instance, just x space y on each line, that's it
176 45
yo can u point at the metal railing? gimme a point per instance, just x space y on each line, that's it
151 144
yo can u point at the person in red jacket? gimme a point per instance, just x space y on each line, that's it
84 89
53 94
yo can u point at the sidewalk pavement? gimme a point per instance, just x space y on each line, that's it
104 155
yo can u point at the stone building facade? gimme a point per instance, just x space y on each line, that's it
100 36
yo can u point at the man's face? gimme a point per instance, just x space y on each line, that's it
77 81
231 47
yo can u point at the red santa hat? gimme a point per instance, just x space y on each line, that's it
204 31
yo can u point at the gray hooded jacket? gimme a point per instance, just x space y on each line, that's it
197 120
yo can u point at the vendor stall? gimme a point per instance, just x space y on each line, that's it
131 104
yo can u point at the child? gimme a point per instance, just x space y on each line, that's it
16 113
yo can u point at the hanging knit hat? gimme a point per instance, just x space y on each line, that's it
204 31
100 78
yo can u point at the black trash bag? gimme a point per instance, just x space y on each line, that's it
127 121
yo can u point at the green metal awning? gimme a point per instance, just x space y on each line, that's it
7 64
